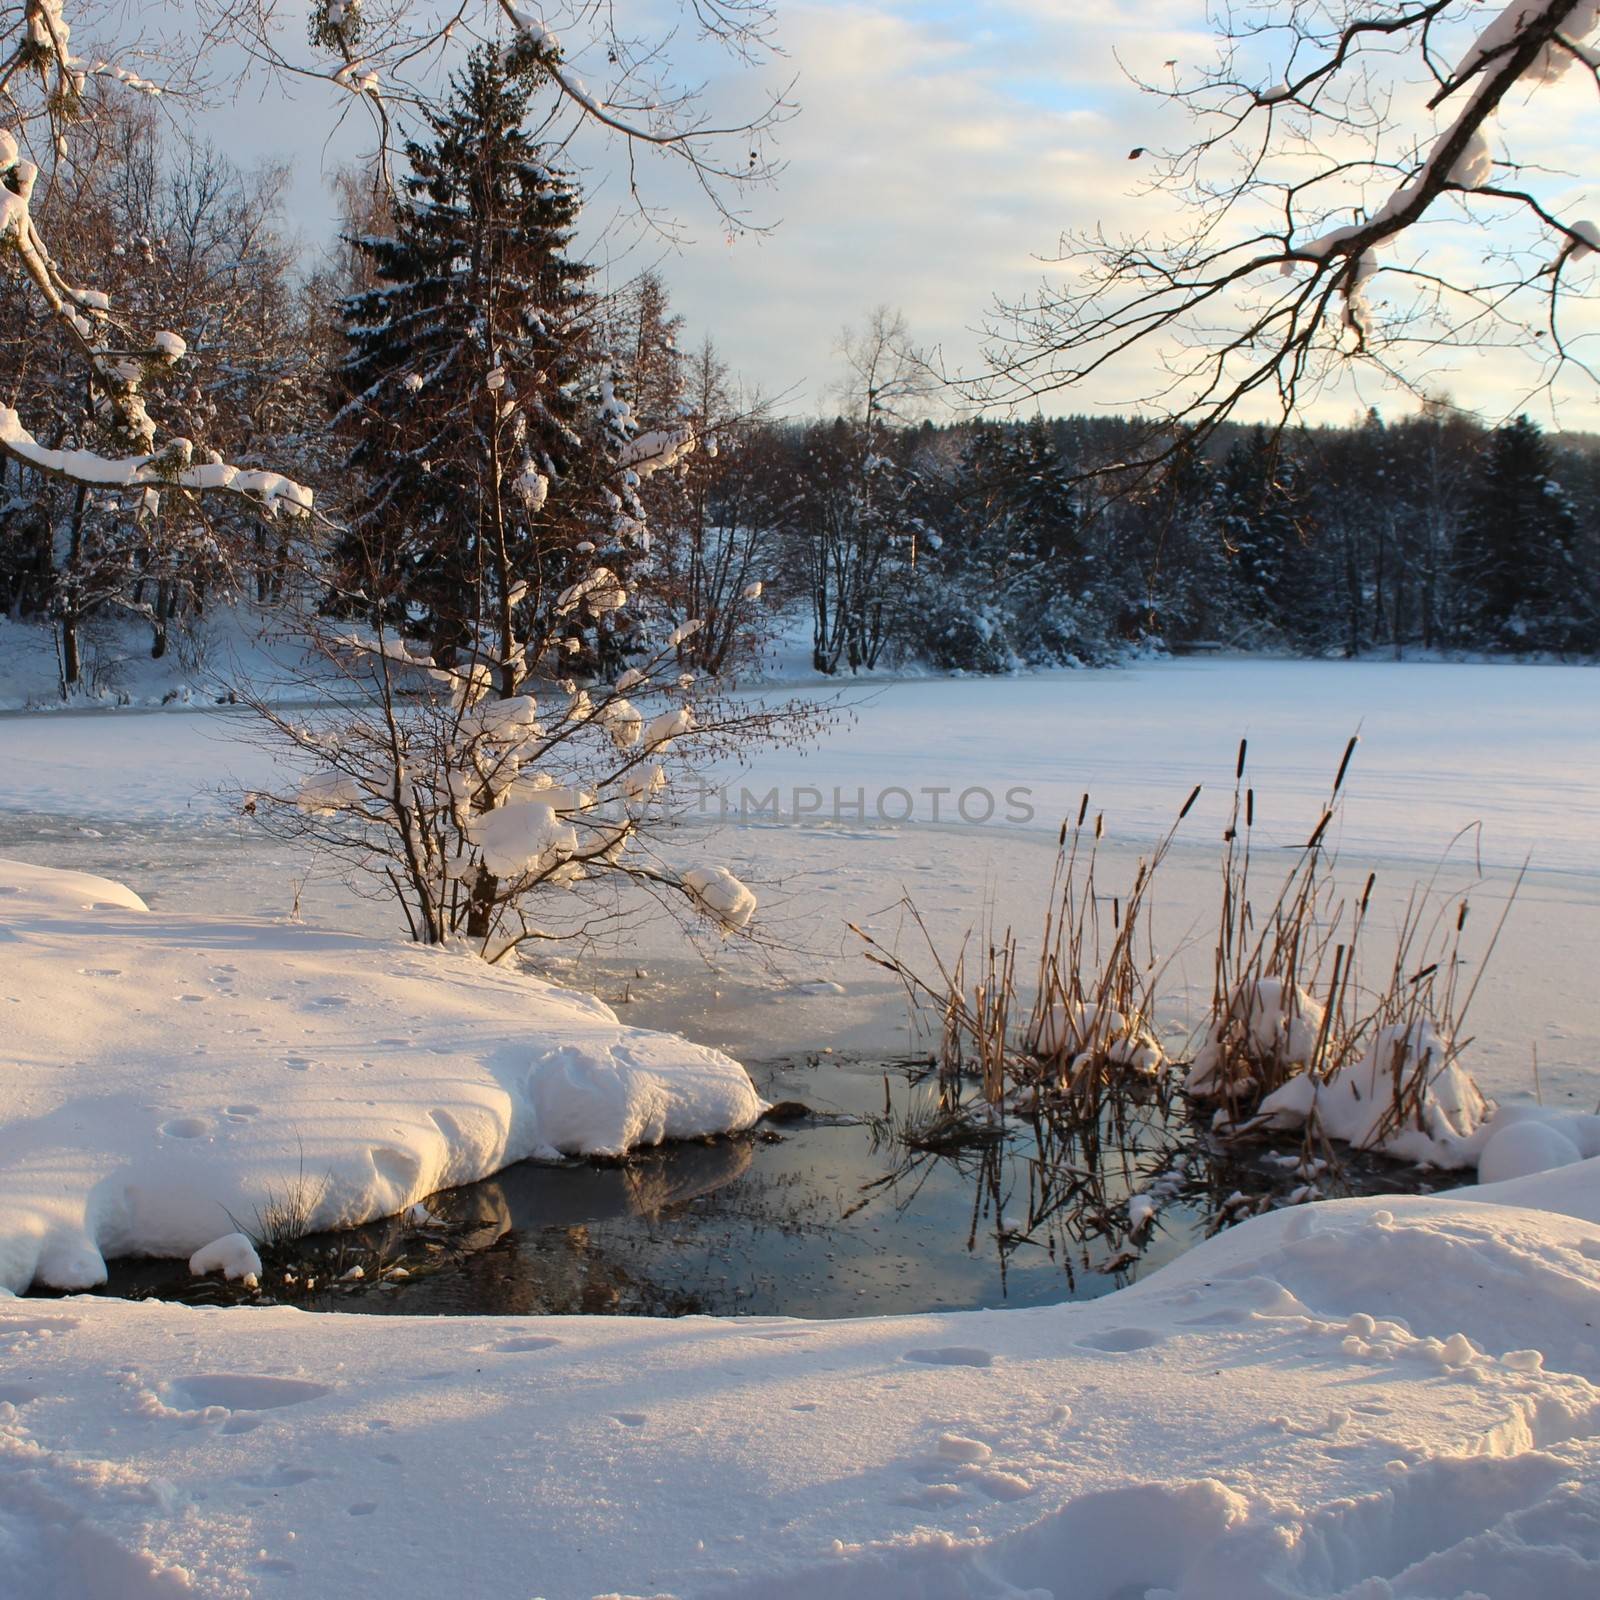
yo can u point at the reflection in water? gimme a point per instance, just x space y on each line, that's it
824 1218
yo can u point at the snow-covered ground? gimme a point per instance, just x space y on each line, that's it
170 1078
1365 1399
203 659
1368 1400
1443 747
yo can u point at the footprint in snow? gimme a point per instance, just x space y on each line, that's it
363 1508
186 1128
1119 1341
933 1494
282 1476
957 1447
509 1347
630 1419
245 1391
1002 1485
952 1355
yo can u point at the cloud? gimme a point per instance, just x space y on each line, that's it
942 149
920 175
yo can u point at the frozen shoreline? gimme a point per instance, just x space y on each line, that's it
174 1077
1395 1399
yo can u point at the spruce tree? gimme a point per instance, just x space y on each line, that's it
1519 586
489 434
1261 513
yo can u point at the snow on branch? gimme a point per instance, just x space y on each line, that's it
1286 268
169 468
84 315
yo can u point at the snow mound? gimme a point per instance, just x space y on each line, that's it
164 1073
1267 1020
233 1255
1388 1399
1072 1031
1521 1140
1355 1103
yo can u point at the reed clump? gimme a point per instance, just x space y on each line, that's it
1294 1035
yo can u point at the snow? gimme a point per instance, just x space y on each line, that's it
1353 1103
1554 60
662 730
721 896
1524 1139
600 591
1362 1413
658 450
522 836
233 1255
1389 1399
270 490
1276 1022
1443 746
167 1072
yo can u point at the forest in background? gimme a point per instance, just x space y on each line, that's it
901 534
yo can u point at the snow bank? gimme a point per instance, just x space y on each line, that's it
164 1077
1390 1399
233 1255
1448 1130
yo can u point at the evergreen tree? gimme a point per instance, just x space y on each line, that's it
1520 584
490 438
1261 515
1168 540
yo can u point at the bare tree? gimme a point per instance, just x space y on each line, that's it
1336 141
850 515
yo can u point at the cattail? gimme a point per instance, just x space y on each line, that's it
1344 765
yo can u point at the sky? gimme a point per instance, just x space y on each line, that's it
938 153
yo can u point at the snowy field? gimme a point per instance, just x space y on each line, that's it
1377 1399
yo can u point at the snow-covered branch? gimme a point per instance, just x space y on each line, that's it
172 467
1304 248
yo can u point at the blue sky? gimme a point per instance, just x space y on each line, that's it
940 150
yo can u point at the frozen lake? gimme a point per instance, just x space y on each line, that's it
1509 752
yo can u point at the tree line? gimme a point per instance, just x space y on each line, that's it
486 429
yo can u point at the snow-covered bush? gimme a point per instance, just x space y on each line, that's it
496 821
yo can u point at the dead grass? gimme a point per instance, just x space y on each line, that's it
1288 995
